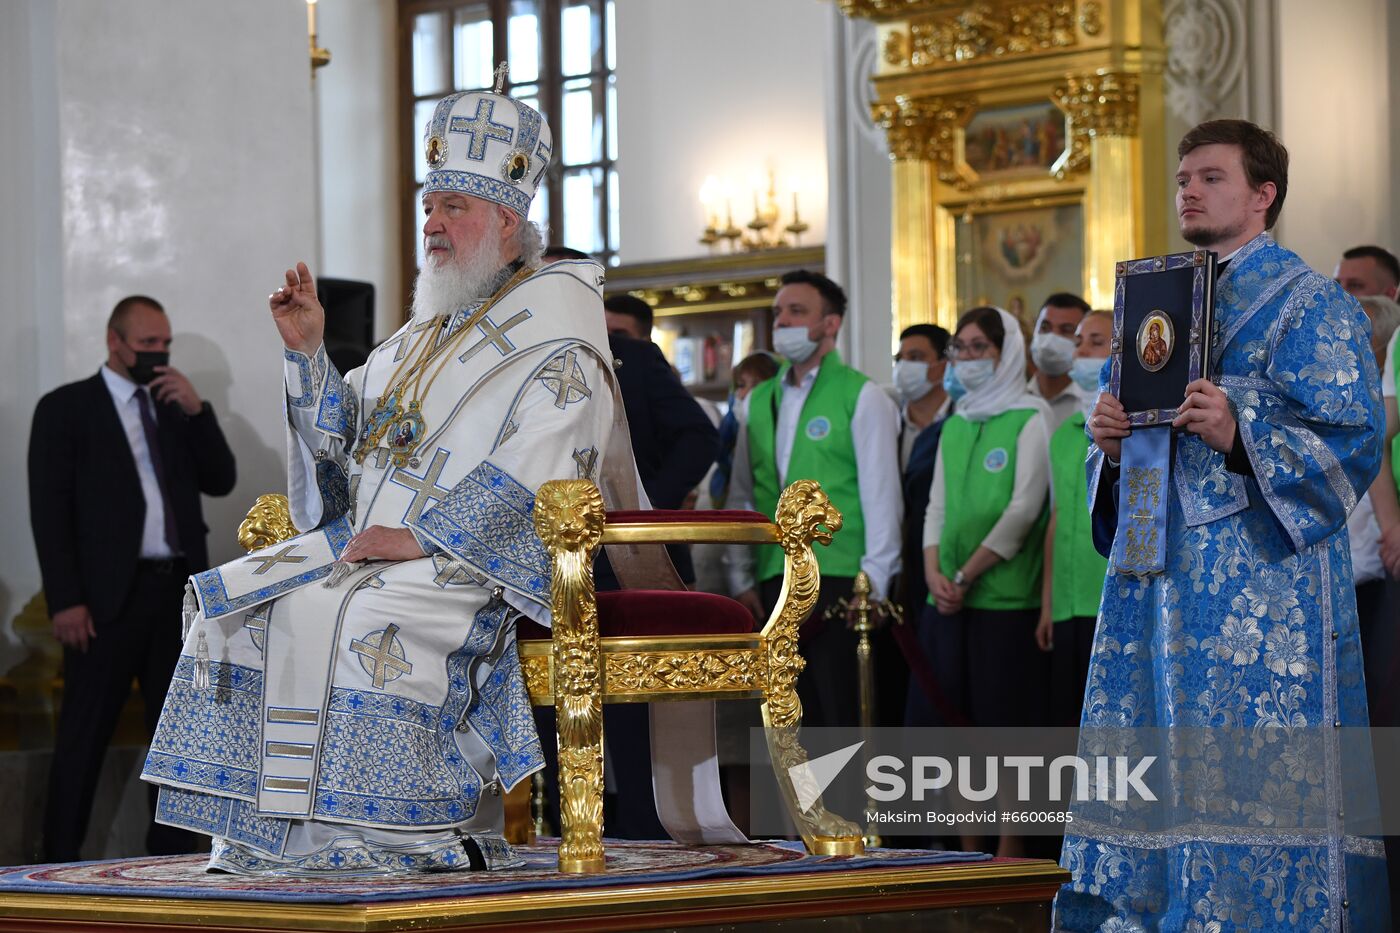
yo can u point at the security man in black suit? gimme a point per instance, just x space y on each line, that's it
117 463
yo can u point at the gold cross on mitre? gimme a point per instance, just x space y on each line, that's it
502 72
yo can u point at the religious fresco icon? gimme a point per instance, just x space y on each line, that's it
1155 341
1018 139
1017 244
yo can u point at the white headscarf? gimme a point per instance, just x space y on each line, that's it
1006 390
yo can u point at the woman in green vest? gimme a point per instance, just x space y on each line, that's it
1074 570
982 535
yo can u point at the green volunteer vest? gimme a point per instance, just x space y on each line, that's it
1079 570
823 450
979 471
1395 441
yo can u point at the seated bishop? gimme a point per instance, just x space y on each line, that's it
351 699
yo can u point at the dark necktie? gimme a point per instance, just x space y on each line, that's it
148 422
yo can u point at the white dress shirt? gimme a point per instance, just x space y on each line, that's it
874 435
128 402
1388 373
1365 537
909 432
1069 401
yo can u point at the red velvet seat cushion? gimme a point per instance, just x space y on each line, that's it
638 613
684 516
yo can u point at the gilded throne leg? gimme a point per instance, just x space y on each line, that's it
802 510
569 520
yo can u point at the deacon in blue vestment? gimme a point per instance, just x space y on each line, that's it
1245 648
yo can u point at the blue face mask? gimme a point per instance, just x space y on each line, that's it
951 383
1085 372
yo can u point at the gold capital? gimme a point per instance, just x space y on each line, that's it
926 129
1101 104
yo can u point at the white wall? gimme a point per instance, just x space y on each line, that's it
165 149
31 270
858 241
720 87
1337 117
358 152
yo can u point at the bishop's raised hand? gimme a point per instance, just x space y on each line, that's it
297 311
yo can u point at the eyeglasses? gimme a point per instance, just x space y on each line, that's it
957 350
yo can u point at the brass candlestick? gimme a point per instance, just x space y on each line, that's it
539 825
864 615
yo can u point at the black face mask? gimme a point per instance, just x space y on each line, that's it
144 369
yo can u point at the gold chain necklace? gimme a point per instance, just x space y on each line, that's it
403 424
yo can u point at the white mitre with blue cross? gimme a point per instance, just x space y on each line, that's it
488 146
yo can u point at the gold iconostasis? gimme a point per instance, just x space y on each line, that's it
1026 139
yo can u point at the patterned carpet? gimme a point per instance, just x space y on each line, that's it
629 863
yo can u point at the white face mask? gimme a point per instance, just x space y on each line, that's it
794 343
1052 354
974 374
911 379
1085 372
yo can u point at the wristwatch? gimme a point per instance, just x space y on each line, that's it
960 579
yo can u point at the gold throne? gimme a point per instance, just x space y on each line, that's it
581 664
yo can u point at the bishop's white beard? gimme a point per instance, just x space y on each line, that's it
447 287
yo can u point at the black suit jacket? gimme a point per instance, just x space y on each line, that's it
673 440
85 500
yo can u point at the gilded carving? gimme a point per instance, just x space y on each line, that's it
804 515
536 671
269 522
986 30
927 129
898 48
878 9
569 520
1091 17
684 670
1098 105
569 515
823 832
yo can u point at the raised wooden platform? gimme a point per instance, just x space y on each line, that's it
971 896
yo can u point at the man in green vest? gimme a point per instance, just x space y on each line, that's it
820 419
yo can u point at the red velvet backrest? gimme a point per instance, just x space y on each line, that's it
685 516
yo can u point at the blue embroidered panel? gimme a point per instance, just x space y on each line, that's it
488 522
438 125
543 151
339 413
504 719
335 490
214 594
478 186
222 816
388 769
209 738
349 855
306 388
529 128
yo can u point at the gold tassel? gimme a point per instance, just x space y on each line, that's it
201 663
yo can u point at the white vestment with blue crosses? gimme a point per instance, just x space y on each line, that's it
1245 653
371 724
